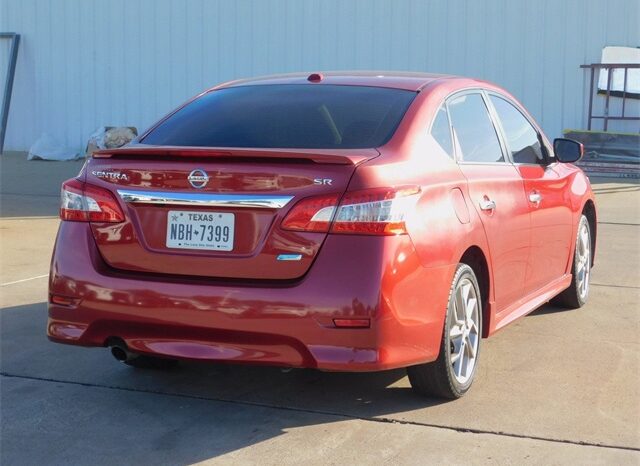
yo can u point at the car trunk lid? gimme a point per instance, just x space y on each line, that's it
215 212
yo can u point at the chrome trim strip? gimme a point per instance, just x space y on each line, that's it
289 257
204 199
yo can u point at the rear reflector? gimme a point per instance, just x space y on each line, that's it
379 211
82 202
352 323
62 300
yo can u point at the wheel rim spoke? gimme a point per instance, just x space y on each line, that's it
470 308
472 346
456 357
458 364
584 237
456 332
459 307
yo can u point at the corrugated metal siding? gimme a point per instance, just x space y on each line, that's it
88 63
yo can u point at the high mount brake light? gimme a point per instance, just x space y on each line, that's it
379 211
82 202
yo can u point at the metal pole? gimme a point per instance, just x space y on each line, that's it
606 104
624 89
8 86
591 100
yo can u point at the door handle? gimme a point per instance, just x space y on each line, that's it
535 197
487 204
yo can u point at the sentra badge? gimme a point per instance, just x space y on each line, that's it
109 175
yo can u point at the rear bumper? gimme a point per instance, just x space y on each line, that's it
376 278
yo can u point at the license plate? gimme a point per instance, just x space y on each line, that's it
200 230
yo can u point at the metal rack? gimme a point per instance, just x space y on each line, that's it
624 94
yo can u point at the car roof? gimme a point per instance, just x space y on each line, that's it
412 81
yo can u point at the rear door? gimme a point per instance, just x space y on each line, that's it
496 191
546 188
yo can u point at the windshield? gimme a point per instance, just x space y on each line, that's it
287 116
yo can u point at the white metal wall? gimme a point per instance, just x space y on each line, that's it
88 63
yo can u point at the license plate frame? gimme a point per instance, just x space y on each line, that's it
210 231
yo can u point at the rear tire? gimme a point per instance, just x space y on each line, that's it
451 375
577 294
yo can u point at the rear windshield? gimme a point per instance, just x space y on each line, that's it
287 116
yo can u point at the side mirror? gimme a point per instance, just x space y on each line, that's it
567 150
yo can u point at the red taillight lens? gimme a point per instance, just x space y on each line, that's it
380 211
311 214
82 202
62 300
352 323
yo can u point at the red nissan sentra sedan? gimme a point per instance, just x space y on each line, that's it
346 222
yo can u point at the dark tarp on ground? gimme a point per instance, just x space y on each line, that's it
609 154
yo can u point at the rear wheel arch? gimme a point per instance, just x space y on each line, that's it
475 258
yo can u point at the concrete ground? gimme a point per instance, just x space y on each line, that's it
557 386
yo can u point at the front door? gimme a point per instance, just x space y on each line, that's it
545 186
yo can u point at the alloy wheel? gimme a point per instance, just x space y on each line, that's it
583 264
464 332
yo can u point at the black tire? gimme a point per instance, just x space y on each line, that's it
575 297
437 378
149 362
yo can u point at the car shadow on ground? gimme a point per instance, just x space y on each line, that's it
180 415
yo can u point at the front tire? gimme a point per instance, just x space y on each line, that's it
577 294
451 375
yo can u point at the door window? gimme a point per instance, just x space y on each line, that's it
474 132
522 138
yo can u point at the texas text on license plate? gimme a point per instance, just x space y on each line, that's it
200 230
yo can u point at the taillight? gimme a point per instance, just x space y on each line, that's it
380 211
311 214
82 202
376 211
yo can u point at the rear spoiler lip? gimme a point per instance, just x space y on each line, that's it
330 156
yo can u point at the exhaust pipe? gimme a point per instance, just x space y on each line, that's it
122 354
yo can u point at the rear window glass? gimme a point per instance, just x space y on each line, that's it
287 116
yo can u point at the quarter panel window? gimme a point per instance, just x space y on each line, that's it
441 131
475 134
522 138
